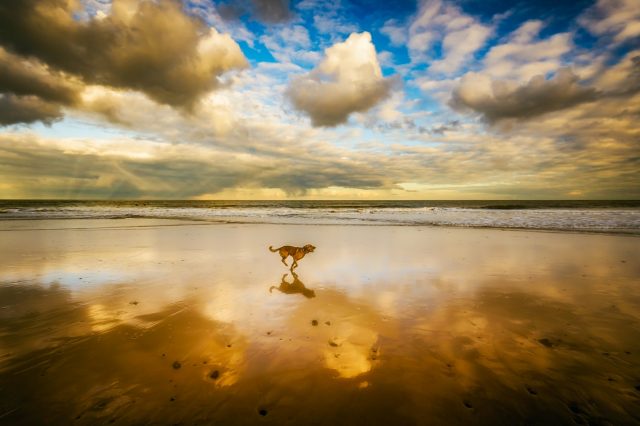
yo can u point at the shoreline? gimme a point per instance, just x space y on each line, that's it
204 222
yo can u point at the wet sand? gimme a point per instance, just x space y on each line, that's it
138 321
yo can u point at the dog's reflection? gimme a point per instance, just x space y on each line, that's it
294 287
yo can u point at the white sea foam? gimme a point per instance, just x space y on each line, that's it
625 220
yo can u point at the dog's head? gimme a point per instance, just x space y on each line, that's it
309 248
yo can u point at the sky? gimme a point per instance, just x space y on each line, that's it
276 99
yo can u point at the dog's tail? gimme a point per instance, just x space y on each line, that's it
272 249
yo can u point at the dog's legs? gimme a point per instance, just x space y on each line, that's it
294 265
283 261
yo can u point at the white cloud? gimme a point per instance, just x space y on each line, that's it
207 11
460 34
347 80
219 52
621 78
391 109
290 44
396 32
523 56
459 45
437 88
385 58
328 24
617 18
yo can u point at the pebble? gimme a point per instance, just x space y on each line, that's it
545 342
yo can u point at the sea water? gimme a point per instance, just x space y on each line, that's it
580 216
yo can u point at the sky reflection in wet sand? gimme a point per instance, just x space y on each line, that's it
161 325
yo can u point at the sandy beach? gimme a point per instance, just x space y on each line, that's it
139 321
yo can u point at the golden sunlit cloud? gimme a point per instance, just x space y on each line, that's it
347 80
202 104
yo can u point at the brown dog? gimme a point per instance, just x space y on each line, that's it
296 253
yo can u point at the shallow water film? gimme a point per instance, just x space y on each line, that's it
136 321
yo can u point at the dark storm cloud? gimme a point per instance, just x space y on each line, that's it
51 170
27 109
272 11
22 77
297 180
230 11
537 97
265 11
39 169
152 47
30 93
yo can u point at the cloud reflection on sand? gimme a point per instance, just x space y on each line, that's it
433 326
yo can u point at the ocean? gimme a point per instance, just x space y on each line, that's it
580 216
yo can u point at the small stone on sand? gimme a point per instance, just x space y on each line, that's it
314 322
176 365
545 342
262 412
214 374
574 407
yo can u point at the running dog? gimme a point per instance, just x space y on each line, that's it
296 253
